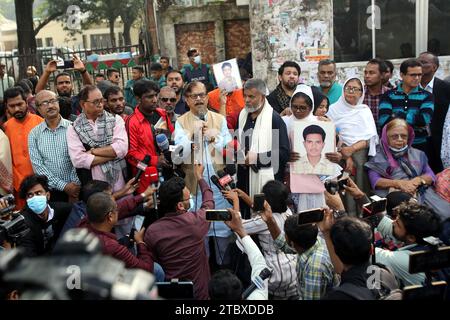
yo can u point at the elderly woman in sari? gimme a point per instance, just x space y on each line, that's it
399 166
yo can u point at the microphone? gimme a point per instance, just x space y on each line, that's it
201 116
214 179
163 145
142 165
265 273
154 181
226 180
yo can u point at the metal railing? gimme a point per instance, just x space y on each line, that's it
108 57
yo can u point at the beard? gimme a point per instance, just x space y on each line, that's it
291 85
64 94
326 84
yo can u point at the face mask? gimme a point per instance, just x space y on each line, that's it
191 202
37 204
197 59
399 150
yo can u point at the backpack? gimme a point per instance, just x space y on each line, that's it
389 288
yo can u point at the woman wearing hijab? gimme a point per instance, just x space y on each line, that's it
307 190
357 133
399 166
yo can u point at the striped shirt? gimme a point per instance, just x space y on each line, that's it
283 281
416 107
315 272
49 154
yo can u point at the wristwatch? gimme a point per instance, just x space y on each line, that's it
423 182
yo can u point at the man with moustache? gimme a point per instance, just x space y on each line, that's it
288 75
63 81
327 80
17 130
49 154
166 100
207 132
115 102
263 138
174 79
374 88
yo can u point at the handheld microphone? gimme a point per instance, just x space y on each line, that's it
265 273
226 180
163 145
214 179
142 165
154 181
201 116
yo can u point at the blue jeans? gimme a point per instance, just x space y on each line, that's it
158 272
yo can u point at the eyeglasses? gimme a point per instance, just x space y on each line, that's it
195 96
352 89
96 102
414 75
398 136
45 104
300 108
173 100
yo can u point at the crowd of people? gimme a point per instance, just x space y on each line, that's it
141 166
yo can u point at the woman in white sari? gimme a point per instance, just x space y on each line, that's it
357 133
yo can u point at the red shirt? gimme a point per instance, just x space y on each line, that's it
177 243
141 142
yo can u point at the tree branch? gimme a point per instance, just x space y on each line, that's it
46 21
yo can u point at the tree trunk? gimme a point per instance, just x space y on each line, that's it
127 32
26 40
151 28
111 32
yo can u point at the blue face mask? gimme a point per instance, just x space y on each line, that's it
37 204
399 150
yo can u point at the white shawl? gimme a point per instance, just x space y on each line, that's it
289 120
354 123
261 142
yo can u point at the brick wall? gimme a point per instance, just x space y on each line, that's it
237 38
198 35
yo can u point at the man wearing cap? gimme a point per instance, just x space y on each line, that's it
314 142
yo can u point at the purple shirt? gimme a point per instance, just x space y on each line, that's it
177 243
81 159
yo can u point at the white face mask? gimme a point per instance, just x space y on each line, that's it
198 59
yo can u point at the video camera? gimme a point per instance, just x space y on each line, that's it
76 271
14 229
434 260
9 199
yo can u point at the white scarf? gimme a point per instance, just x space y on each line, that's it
289 120
355 123
261 143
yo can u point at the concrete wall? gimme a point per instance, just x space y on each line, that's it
216 13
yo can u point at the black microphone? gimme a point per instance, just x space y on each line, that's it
265 273
201 116
142 165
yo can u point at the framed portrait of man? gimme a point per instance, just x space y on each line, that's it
312 140
227 75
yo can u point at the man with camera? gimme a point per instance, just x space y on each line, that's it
412 224
224 284
176 241
315 272
44 219
103 214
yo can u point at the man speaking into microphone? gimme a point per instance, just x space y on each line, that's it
203 135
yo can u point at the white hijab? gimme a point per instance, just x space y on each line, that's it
354 123
289 120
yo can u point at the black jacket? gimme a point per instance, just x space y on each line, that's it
356 275
441 93
42 236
